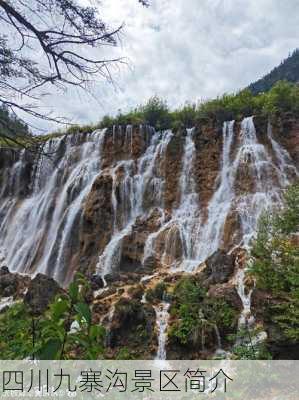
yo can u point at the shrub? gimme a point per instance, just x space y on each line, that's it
283 97
156 113
275 263
157 292
49 336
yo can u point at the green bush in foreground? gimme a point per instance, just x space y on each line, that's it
64 331
196 315
275 263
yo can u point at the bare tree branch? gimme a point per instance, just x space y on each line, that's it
67 36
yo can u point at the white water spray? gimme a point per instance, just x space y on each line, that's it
162 317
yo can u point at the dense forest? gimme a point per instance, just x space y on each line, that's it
10 124
288 70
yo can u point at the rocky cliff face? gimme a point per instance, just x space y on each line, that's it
131 208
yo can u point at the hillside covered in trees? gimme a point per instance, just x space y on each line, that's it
287 70
10 125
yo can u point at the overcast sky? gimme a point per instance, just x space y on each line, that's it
187 50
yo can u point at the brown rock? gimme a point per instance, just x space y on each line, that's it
219 267
97 222
41 292
229 293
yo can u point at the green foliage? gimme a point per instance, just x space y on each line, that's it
56 338
15 333
156 113
10 125
247 348
220 313
196 314
157 292
51 336
275 263
189 291
124 354
187 308
288 70
184 117
283 97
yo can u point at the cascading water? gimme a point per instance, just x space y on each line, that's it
285 164
220 204
201 238
108 332
185 218
162 317
128 205
6 302
39 224
36 231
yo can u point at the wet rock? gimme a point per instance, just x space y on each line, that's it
286 132
8 283
171 170
168 245
232 230
109 291
219 267
4 270
124 144
12 284
97 222
112 277
120 291
41 292
132 325
136 292
208 142
133 244
149 264
96 282
227 292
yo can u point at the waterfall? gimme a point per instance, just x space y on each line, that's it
221 201
6 302
187 216
109 260
108 331
162 317
2 258
150 241
41 200
268 180
35 232
129 203
285 164
218 337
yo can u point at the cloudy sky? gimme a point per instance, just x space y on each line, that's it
187 50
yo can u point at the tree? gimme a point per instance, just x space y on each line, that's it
65 35
156 113
275 264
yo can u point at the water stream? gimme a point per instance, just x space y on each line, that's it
162 317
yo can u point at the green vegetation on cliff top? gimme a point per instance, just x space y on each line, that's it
283 97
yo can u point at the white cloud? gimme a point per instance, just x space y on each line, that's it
187 50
